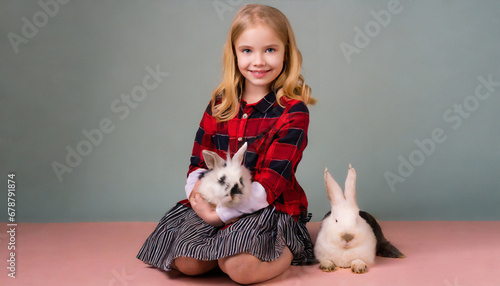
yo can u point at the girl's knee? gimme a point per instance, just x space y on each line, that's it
241 268
247 269
193 267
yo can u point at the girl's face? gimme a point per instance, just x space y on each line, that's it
260 55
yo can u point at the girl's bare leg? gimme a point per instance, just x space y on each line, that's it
193 267
245 268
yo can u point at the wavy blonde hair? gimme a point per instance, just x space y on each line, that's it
290 83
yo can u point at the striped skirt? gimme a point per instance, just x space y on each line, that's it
263 234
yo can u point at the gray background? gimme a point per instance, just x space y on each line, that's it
64 78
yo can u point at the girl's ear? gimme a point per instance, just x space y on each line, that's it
350 185
238 157
333 190
212 160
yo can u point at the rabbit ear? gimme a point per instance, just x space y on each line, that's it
333 190
238 157
212 159
350 185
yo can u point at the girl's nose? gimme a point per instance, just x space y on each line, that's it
259 59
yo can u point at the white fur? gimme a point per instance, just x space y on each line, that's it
224 176
331 249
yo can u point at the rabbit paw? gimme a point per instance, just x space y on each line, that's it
327 266
358 266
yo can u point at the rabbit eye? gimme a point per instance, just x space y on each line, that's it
222 180
241 181
336 221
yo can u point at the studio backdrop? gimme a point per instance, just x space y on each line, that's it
100 102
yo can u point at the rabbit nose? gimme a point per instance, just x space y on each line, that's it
235 190
347 237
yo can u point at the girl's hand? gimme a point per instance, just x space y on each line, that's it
203 209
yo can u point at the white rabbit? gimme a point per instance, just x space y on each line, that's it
345 239
225 182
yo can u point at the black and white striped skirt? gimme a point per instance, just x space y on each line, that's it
263 234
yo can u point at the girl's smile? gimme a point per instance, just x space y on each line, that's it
259 73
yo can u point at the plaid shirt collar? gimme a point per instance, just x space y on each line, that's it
265 103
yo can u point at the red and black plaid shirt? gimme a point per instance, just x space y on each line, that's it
276 138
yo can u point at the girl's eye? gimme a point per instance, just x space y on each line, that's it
270 50
246 51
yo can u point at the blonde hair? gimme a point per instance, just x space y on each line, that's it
290 83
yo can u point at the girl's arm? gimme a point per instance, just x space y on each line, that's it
279 161
202 141
214 216
203 209
192 179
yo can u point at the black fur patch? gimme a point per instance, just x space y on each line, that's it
235 191
384 247
203 174
222 180
327 214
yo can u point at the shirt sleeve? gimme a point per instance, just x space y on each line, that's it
192 178
279 161
203 140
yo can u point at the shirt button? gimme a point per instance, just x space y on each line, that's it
240 139
245 116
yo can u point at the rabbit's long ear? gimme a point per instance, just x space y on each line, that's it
350 185
333 190
238 157
212 159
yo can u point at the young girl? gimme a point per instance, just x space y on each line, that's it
262 101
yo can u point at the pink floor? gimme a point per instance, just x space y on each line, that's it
438 253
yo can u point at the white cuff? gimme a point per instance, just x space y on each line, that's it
256 201
192 179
